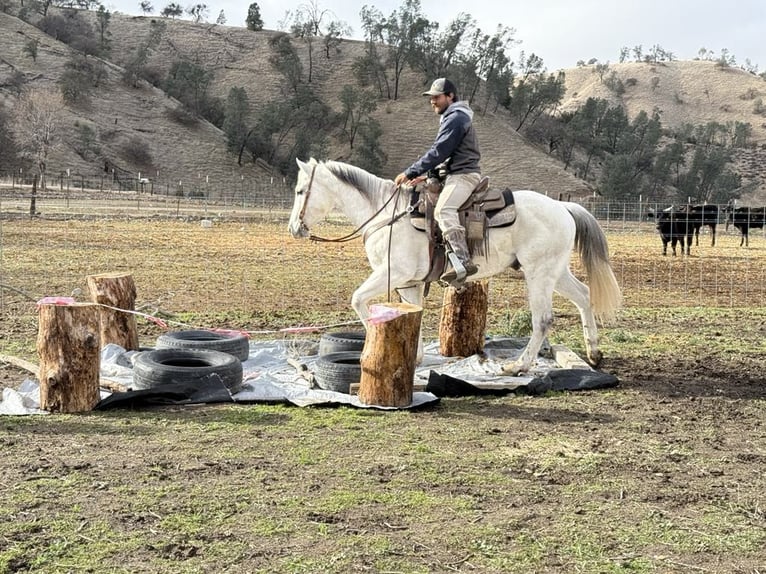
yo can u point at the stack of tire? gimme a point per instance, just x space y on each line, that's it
193 357
338 367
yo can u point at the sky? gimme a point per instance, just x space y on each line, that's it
561 32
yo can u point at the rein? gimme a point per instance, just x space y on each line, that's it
356 233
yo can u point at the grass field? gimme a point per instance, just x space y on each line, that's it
662 474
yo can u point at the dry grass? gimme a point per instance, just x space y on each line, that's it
661 474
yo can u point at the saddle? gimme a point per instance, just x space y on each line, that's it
484 209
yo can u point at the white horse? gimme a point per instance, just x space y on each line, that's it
540 241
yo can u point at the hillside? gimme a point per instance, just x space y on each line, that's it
239 57
694 92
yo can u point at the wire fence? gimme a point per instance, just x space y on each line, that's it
235 259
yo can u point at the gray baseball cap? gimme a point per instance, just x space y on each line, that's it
441 86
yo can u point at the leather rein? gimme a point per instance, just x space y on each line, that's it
357 232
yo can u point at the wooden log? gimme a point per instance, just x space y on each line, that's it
463 321
119 291
68 347
389 356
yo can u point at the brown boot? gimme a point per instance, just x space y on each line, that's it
457 243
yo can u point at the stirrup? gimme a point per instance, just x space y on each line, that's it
459 272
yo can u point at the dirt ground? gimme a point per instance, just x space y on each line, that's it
664 473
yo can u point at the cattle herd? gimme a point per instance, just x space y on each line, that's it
680 225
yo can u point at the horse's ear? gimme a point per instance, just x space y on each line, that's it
303 166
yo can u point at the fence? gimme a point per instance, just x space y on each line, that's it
109 187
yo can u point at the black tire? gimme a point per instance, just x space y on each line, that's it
163 366
237 345
341 341
338 371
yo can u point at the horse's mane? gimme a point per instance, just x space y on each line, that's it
367 184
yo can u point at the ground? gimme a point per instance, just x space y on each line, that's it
663 473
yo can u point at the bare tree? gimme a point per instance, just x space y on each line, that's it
35 122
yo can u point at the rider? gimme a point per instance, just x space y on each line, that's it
455 141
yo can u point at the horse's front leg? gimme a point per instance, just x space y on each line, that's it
375 285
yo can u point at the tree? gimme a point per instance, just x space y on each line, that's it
221 20
102 21
35 124
435 54
253 21
172 10
358 106
369 69
80 76
147 7
198 12
30 48
309 24
534 93
10 151
284 58
134 68
72 29
188 83
333 36
235 117
369 154
401 33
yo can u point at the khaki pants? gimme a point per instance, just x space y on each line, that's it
457 189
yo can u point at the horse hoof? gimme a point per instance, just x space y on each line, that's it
512 370
594 360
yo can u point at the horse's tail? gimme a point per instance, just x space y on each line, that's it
590 243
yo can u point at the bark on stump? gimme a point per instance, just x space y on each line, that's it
463 322
68 347
389 356
116 290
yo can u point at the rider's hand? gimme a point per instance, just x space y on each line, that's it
401 179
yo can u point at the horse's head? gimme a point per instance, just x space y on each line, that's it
310 204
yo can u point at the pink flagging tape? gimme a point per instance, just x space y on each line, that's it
56 301
380 314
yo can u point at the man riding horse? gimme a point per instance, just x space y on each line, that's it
457 144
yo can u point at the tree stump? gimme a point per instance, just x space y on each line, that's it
68 347
389 356
116 290
463 320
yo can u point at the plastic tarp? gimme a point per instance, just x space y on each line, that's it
269 375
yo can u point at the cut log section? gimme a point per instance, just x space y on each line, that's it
463 322
68 347
119 291
389 355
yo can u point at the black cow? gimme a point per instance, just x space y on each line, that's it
745 219
674 227
700 215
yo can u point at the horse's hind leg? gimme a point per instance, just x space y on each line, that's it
578 293
540 294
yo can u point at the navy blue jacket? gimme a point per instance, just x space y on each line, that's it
456 140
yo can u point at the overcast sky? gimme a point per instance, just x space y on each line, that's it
561 32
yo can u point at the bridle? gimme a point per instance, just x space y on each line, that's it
302 213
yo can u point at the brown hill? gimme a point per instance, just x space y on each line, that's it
694 92
239 57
